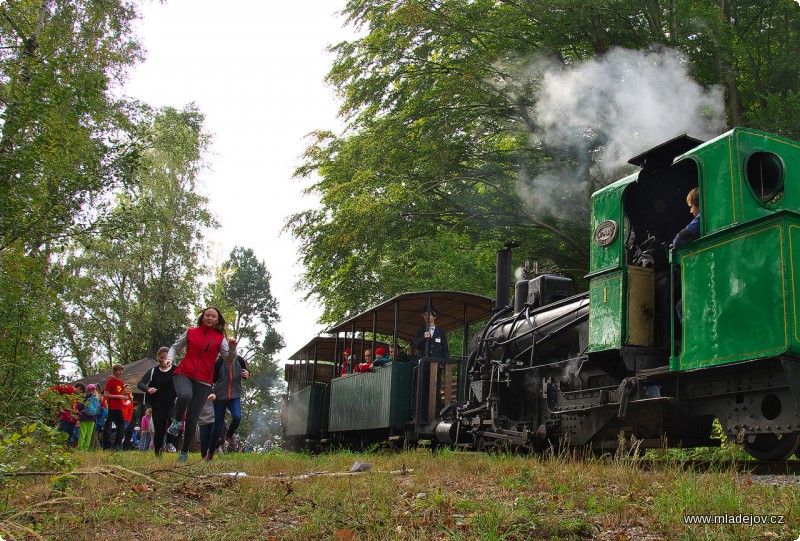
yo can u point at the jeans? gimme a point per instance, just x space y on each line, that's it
206 432
69 429
235 407
144 441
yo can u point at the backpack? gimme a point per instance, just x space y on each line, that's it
100 420
90 410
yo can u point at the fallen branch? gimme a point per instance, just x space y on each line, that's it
176 469
133 472
28 473
55 501
309 475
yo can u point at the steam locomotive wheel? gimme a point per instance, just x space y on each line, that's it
772 446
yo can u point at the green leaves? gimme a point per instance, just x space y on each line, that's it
447 149
426 178
129 290
23 436
242 291
66 144
63 139
33 447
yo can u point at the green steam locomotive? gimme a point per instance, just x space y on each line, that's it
667 339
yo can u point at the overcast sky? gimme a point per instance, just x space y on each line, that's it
256 70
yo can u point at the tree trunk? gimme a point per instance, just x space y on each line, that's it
725 66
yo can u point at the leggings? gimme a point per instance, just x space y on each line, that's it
192 395
161 418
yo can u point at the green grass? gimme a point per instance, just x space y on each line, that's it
443 495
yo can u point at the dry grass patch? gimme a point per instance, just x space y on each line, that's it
406 495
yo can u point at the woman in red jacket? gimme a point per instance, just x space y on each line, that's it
195 373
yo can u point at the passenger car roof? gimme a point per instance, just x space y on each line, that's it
453 308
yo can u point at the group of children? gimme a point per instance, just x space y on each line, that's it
95 418
206 383
88 422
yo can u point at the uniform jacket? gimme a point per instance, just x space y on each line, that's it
688 233
435 346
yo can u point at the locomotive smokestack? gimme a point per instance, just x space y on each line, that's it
503 279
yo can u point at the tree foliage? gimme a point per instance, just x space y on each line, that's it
453 145
129 290
67 141
242 291
27 335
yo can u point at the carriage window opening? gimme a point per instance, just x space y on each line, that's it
765 174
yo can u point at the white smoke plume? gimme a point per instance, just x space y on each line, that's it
595 116
628 100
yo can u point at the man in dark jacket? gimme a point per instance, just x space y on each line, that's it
431 340
228 392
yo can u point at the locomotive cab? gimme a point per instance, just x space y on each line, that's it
634 220
724 306
750 206
748 214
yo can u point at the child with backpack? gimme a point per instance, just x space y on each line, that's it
88 417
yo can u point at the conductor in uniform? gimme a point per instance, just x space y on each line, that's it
430 340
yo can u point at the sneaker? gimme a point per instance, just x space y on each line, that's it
174 428
170 448
183 457
232 443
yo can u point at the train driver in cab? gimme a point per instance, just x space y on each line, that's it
691 231
688 234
